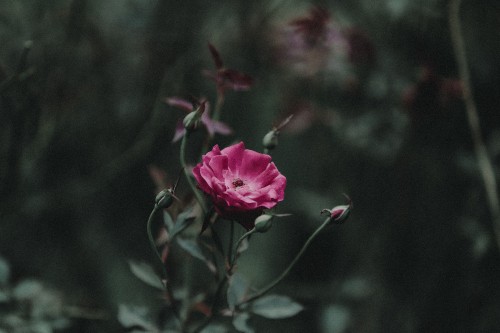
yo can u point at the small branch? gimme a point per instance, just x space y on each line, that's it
270 286
197 193
236 254
168 287
485 165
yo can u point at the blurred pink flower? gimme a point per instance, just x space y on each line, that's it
225 78
241 182
212 126
315 43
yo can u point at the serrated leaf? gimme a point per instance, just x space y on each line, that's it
183 221
191 247
146 274
237 290
276 307
240 322
167 221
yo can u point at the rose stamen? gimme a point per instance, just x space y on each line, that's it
238 182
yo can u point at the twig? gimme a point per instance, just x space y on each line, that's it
483 160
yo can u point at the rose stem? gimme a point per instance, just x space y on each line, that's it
197 194
215 117
486 167
230 246
168 288
233 260
287 270
218 105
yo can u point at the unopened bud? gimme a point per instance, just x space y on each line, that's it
339 214
165 198
191 121
263 223
270 140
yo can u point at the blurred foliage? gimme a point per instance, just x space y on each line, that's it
377 115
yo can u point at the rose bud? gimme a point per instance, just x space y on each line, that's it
263 223
191 121
339 214
270 140
165 198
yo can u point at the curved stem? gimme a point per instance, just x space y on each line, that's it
168 288
485 165
238 243
288 269
152 240
197 193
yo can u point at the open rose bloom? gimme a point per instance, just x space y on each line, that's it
241 182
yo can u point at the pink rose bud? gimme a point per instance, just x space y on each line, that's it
241 182
339 214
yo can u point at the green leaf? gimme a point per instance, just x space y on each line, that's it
276 307
135 316
240 322
215 328
183 221
191 246
146 274
237 290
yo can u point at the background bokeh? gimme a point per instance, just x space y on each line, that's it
378 116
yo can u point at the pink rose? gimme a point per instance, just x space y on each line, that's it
241 182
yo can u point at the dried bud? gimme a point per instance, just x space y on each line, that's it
165 198
339 214
270 140
263 223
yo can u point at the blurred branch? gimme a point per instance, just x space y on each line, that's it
483 160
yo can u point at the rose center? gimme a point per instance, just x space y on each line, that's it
238 182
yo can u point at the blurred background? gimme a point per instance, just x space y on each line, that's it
85 136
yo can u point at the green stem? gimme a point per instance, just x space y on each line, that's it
486 166
236 254
230 246
197 193
152 240
288 269
168 288
218 106
213 306
215 117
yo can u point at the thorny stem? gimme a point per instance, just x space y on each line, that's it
263 291
483 160
168 287
197 194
